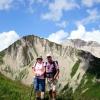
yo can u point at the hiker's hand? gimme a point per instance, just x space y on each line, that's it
50 79
36 74
53 79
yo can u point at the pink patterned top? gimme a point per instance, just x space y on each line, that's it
39 70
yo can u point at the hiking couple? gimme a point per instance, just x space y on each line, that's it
45 71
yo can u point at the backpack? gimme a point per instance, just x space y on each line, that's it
54 70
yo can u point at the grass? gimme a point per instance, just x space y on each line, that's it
66 93
93 87
2 54
93 92
22 74
13 90
75 68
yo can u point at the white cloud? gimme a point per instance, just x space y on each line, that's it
90 3
79 33
44 2
92 17
7 38
61 24
58 36
31 3
39 1
30 8
57 7
82 33
5 4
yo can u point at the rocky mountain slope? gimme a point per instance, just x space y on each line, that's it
77 67
90 46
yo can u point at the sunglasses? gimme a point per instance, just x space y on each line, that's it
49 57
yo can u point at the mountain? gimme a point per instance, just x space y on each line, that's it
79 69
90 46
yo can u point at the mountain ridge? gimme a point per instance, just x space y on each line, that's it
17 60
90 46
83 42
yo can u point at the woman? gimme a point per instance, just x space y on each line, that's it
39 80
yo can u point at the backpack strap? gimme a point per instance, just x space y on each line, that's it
54 63
34 65
46 63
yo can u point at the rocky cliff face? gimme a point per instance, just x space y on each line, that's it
90 46
17 60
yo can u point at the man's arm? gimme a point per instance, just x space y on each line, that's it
57 73
57 68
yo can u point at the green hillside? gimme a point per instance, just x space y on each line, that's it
89 89
12 90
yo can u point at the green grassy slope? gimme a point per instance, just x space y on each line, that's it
1 57
75 68
12 90
89 89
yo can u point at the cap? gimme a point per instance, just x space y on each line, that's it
49 55
39 57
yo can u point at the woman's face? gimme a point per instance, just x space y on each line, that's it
39 60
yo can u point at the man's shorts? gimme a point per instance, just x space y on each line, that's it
51 85
39 84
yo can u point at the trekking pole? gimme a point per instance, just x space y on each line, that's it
31 91
32 85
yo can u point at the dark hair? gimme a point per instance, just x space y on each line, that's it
49 57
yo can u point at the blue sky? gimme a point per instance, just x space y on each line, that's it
50 18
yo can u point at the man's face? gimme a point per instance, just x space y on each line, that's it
49 58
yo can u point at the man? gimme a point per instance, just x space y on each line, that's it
39 80
52 72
